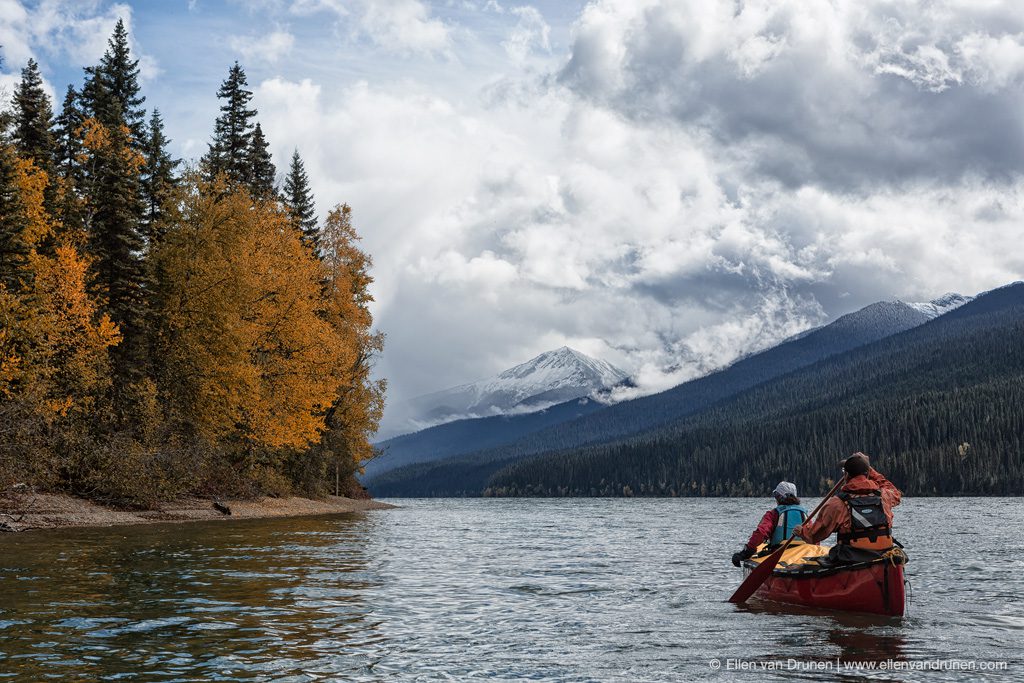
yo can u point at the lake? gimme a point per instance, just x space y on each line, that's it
552 589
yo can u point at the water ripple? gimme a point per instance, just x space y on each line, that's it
550 590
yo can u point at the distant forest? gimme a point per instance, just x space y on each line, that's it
941 412
940 408
168 329
566 427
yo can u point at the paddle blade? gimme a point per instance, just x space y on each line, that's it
758 576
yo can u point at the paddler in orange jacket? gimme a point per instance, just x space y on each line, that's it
860 514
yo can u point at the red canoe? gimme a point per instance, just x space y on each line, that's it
875 587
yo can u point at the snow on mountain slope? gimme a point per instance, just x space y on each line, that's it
552 377
944 304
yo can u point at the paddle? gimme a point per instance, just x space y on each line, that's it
764 569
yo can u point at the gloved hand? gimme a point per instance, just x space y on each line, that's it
740 556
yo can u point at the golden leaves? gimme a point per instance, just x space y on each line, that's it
244 304
53 343
99 140
31 183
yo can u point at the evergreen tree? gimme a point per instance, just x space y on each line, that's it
68 141
158 174
14 244
261 165
117 244
229 152
68 151
114 135
298 198
112 88
33 119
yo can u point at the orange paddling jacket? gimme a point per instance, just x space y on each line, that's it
861 514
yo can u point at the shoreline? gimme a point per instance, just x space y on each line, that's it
30 512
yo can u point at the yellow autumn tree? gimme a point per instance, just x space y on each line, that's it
359 405
53 340
247 351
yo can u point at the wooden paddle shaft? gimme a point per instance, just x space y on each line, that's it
824 500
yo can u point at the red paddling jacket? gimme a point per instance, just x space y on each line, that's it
861 514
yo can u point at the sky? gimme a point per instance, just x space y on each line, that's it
664 184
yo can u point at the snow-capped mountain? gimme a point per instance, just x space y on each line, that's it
550 378
944 304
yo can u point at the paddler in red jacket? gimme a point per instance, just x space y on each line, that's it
778 524
860 514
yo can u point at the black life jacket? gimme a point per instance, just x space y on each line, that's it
869 527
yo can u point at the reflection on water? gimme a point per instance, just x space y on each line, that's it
548 589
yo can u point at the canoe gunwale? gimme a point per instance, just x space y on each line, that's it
896 556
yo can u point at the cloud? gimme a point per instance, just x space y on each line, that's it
400 26
844 93
270 47
404 25
530 33
530 237
60 29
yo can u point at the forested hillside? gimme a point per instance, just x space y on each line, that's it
940 408
170 329
618 421
464 436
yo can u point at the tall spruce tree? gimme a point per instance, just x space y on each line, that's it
33 119
261 165
68 140
229 151
158 177
115 209
14 246
117 244
111 92
298 197
68 151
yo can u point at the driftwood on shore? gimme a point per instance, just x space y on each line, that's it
19 499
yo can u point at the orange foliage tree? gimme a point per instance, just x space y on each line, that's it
359 405
246 347
53 341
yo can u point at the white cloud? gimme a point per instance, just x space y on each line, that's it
816 92
706 185
404 25
269 48
400 26
15 36
994 63
77 30
530 33
552 216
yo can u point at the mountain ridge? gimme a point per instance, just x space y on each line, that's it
851 330
548 379
940 408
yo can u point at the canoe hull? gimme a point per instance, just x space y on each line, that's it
875 589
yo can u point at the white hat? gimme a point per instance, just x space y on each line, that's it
785 489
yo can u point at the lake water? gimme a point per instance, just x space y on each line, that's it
574 590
